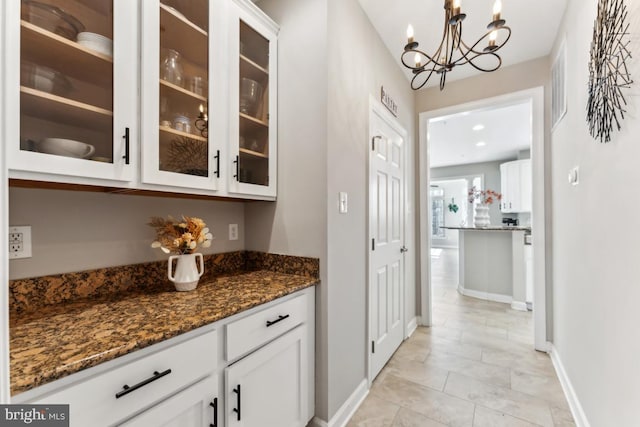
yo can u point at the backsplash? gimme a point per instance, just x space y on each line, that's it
29 294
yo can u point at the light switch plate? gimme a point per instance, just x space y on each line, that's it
19 242
343 206
574 176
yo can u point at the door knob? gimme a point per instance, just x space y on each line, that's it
404 249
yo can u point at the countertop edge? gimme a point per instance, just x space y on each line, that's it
33 380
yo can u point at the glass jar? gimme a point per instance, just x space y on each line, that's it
171 69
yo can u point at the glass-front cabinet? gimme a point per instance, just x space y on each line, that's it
252 103
180 73
68 106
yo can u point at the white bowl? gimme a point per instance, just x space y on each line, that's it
87 36
65 147
97 47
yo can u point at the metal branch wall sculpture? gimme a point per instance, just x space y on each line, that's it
608 73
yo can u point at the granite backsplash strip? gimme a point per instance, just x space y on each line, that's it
285 264
33 293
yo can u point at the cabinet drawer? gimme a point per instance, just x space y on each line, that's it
148 380
252 331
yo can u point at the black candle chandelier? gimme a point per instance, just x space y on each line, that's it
453 51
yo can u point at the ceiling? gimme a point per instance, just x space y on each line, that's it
505 131
534 24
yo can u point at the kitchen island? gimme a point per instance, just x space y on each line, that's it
492 263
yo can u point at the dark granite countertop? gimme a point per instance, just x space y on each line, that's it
492 228
59 340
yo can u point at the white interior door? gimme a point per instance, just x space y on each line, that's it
386 223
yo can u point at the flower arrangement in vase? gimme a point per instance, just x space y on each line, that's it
482 198
182 238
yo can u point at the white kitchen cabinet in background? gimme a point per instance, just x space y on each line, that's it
516 186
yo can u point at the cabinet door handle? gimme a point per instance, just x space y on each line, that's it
237 162
126 146
279 319
238 410
156 376
217 158
214 405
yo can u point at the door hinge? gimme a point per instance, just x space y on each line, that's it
373 244
373 346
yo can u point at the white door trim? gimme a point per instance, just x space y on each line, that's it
536 97
376 107
4 226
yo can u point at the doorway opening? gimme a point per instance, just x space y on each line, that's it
493 264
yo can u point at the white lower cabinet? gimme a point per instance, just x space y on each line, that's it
268 388
267 369
196 406
117 394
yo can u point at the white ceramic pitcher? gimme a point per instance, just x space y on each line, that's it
186 275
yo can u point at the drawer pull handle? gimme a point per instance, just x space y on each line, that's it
214 405
156 375
239 400
279 319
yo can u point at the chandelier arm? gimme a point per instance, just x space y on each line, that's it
413 80
466 58
486 70
414 51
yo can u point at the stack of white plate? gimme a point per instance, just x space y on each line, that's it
96 42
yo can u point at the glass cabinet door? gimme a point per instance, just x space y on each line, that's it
178 150
67 88
254 104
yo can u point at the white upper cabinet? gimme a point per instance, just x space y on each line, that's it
252 101
515 180
71 70
185 100
181 75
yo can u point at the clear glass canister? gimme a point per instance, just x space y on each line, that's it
171 69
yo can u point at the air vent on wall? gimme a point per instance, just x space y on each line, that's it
558 86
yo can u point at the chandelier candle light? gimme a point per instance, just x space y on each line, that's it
453 51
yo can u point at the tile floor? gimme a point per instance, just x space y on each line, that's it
474 367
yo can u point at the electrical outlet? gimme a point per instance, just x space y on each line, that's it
20 242
233 231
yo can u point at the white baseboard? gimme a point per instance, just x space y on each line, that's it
348 408
579 416
412 326
520 306
485 295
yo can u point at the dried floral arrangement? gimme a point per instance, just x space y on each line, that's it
486 197
180 237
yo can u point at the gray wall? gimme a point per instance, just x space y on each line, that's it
359 63
491 172
323 138
596 266
297 223
75 231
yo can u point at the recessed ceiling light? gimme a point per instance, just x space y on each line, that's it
481 144
478 127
